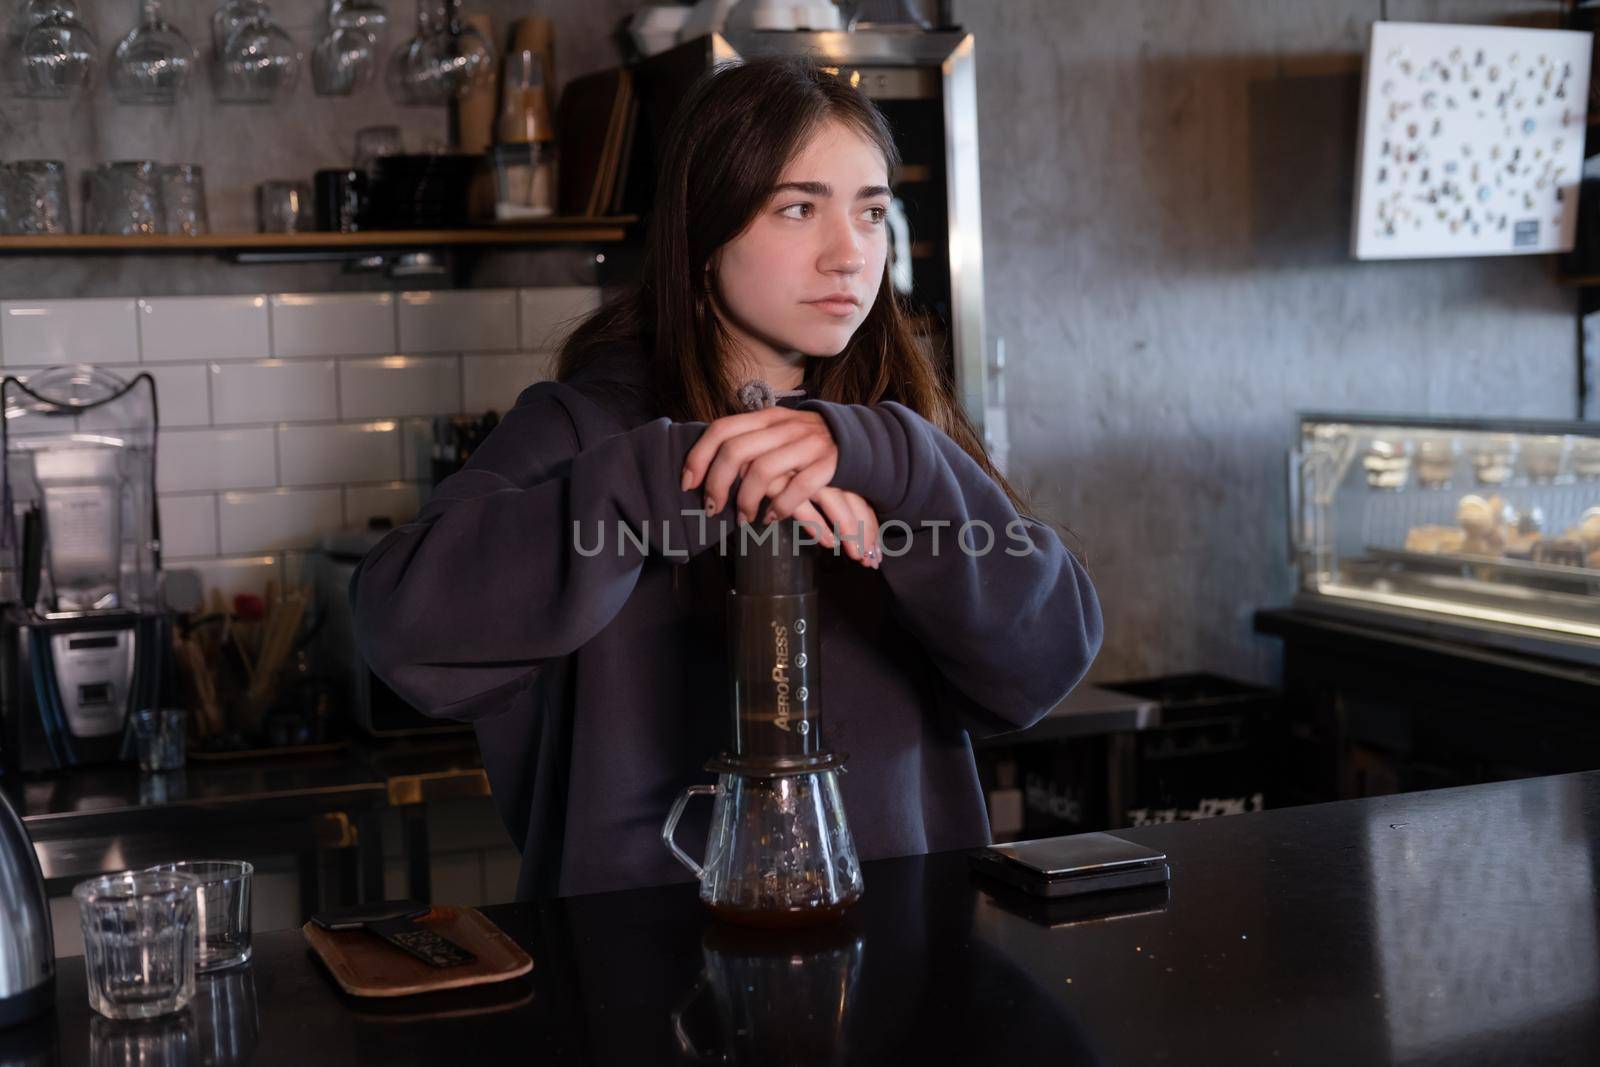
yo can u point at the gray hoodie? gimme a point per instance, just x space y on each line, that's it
596 680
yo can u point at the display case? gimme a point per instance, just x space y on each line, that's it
1479 530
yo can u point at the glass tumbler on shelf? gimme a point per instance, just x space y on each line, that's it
138 942
55 57
124 198
153 63
222 910
374 143
183 200
284 207
36 197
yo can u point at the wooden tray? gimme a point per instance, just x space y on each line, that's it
365 965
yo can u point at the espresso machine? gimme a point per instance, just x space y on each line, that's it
779 852
82 627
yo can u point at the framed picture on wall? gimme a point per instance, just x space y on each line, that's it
1471 141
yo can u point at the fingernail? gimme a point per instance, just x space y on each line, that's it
711 506
684 481
770 517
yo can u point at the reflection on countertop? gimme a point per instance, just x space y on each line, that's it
1436 927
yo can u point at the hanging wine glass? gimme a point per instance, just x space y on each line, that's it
153 63
466 61
55 58
346 58
229 17
444 60
259 62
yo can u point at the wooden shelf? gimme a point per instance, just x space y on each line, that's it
547 231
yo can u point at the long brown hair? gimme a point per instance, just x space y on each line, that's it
726 149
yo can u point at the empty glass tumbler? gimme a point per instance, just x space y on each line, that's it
124 198
35 193
222 910
183 200
138 942
284 207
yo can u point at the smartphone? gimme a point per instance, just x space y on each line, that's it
1073 865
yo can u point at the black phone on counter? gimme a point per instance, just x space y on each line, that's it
1073 865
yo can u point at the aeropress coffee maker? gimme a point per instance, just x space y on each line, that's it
779 852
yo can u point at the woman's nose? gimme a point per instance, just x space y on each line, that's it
844 252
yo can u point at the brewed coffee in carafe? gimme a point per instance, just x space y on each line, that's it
779 852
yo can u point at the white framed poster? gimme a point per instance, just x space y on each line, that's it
1471 141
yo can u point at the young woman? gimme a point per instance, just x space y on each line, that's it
591 664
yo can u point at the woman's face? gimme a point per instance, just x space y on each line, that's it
803 275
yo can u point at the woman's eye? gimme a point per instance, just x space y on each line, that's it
796 211
877 214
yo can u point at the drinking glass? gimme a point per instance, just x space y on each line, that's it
55 57
374 143
229 17
36 197
153 63
222 910
346 58
183 200
259 62
443 60
138 942
124 198
284 207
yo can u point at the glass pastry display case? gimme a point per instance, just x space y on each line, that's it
1479 530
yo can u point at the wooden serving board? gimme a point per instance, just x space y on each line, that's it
365 965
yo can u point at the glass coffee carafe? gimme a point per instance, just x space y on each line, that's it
779 851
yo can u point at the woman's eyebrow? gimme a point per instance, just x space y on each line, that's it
824 189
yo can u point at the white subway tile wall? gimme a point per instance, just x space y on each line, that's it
274 390
286 416
41 333
205 327
459 320
399 385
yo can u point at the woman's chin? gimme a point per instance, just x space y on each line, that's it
822 344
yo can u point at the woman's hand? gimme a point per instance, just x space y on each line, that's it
788 457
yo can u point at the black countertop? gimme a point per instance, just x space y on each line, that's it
118 798
1451 927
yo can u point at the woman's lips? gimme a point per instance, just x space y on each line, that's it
841 309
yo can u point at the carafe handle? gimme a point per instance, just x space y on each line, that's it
672 825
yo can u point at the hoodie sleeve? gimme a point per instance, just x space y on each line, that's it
518 558
1005 611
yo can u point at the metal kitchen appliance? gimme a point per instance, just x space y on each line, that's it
27 947
83 625
779 852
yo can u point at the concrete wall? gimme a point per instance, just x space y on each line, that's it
1166 207
1167 195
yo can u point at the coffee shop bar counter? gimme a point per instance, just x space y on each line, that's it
1449 927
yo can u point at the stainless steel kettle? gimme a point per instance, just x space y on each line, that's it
27 947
